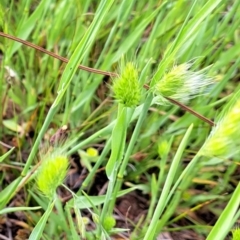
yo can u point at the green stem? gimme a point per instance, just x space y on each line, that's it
96 167
101 133
34 150
166 193
130 148
224 222
118 144
160 182
177 194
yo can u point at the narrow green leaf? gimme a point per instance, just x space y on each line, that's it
71 223
8 192
82 202
195 24
82 49
69 72
168 183
6 154
118 141
38 229
26 28
189 29
130 40
17 209
225 221
12 125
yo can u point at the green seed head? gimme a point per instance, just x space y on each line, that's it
126 87
236 233
181 84
171 82
224 140
163 148
51 174
95 218
92 152
108 223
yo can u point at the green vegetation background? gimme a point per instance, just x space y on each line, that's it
40 94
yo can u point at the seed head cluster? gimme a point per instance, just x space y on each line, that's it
126 87
52 173
181 84
224 140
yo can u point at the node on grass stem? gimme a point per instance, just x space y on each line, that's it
126 87
52 173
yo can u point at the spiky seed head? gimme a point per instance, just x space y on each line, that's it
163 148
181 84
236 233
224 139
51 174
108 223
126 87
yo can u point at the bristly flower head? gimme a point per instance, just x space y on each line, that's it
181 84
108 223
126 87
52 173
163 148
224 140
236 233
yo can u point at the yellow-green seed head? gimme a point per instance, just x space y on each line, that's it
92 152
108 223
126 87
224 140
95 218
216 146
51 174
181 84
236 233
171 82
163 148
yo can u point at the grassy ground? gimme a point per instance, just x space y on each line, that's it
138 166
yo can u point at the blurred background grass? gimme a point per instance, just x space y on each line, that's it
138 31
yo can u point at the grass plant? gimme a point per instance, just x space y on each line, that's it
149 93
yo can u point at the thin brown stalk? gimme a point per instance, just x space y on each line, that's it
188 109
93 70
97 71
